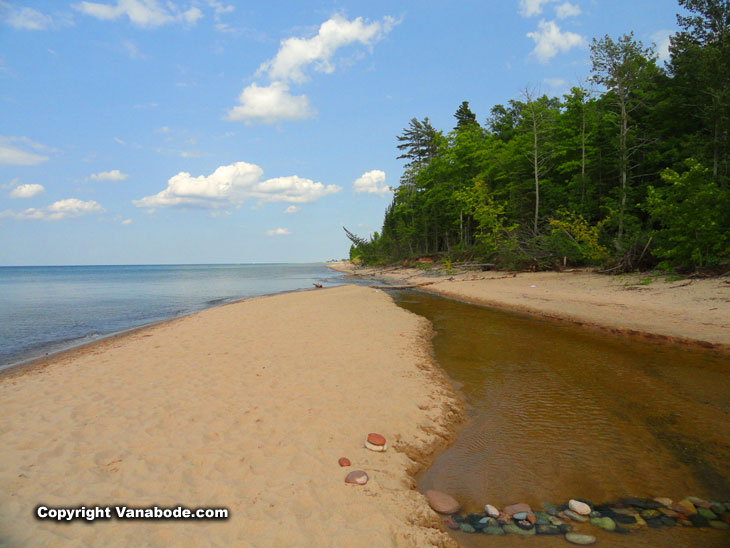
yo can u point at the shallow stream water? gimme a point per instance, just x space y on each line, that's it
559 411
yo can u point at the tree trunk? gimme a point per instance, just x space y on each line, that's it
535 167
624 163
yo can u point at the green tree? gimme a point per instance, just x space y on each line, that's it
464 116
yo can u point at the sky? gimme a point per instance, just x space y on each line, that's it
214 131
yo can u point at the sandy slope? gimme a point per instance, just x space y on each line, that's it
694 313
247 406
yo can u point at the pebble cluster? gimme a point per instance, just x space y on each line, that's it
620 516
374 442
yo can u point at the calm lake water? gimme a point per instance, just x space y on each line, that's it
559 411
47 308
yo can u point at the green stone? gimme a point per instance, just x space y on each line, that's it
515 530
719 524
466 528
650 514
493 531
605 523
575 517
705 513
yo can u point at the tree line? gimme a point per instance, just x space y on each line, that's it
629 170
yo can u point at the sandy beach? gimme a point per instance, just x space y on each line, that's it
247 406
693 312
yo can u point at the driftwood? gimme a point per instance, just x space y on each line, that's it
409 286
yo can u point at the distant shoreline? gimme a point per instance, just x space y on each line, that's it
692 313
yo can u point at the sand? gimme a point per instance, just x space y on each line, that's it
247 406
694 312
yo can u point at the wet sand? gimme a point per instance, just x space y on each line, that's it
246 406
690 312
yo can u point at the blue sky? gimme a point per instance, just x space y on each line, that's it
212 131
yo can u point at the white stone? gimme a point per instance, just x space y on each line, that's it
579 507
374 447
491 511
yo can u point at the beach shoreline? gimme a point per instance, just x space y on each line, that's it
694 313
247 406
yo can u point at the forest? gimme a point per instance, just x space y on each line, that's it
629 170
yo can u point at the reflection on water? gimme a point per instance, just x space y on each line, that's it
558 412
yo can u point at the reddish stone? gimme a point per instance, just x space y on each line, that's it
376 439
685 507
531 518
357 477
441 502
513 509
344 461
504 518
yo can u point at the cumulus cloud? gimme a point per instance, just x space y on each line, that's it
291 209
372 182
12 152
566 10
127 222
295 54
26 191
267 104
25 18
278 232
141 13
529 8
63 209
113 175
661 39
550 40
234 184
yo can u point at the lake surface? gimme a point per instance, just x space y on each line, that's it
48 308
558 412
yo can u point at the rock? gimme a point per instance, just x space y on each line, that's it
649 514
719 524
669 513
542 518
644 504
516 530
579 507
493 531
669 522
705 513
374 447
718 508
466 528
698 520
357 477
550 508
458 518
376 439
344 461
624 519
565 528
492 522
583 540
542 529
531 518
441 502
475 520
451 523
685 507
700 503
595 514
664 501
524 524
519 516
607 524
555 521
575 517
685 523
504 518
513 509
655 523
491 511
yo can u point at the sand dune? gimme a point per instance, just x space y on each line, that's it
247 406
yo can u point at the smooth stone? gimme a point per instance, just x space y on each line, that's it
701 503
576 517
451 523
513 509
441 502
516 530
466 528
649 514
685 523
492 522
493 531
583 540
717 507
624 519
579 507
664 501
595 514
669 522
542 518
669 513
644 504
344 461
555 521
504 519
357 477
705 513
376 448
565 528
474 518
376 439
607 524
458 518
719 524
655 523
550 508
524 524
491 511
546 529
685 507
519 516
531 518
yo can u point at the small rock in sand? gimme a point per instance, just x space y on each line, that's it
579 507
344 461
376 442
491 511
357 477
441 502
513 509
583 540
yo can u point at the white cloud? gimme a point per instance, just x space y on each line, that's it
234 184
295 54
278 232
292 209
133 51
141 13
25 18
372 182
113 175
567 10
127 222
27 191
555 82
550 40
661 39
11 154
529 8
267 104
63 209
